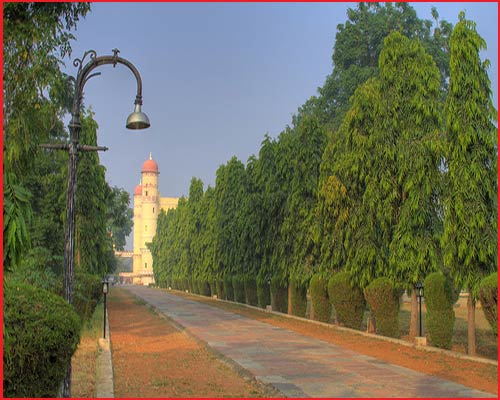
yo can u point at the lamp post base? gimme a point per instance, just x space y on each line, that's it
420 340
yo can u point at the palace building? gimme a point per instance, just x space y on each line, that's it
147 207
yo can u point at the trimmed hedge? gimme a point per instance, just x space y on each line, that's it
383 300
228 288
298 298
250 290
213 287
203 287
279 295
263 293
348 301
318 287
239 289
438 294
220 288
488 295
41 333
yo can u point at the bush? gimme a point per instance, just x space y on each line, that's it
348 301
440 319
298 298
228 288
279 295
41 333
203 287
88 292
239 289
220 289
383 299
250 290
213 287
488 295
263 293
318 287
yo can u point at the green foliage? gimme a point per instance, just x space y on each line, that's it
298 298
228 288
41 333
88 292
347 300
279 295
220 289
203 287
440 314
470 223
383 300
358 43
250 290
318 288
488 294
119 216
239 289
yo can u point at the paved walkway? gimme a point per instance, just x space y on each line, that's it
296 365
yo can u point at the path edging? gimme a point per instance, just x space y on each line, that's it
105 378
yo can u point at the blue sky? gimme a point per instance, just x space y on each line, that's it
216 77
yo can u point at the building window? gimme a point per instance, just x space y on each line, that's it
153 210
145 228
146 265
146 192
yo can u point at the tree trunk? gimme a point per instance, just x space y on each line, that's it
289 311
371 324
311 308
414 315
471 331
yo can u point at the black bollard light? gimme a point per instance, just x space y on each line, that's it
420 293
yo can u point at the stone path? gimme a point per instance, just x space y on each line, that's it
296 365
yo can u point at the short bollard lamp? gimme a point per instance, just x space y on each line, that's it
105 288
420 293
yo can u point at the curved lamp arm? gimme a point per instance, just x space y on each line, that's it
136 120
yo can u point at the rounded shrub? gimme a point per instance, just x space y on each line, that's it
279 295
228 288
220 288
348 300
298 298
488 295
41 333
250 290
440 318
239 289
318 288
263 293
383 300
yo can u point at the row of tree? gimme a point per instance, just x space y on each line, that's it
397 180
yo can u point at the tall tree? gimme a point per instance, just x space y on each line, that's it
36 93
119 216
470 225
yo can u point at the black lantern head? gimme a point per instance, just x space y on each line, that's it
420 289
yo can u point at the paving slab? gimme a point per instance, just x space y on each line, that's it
294 364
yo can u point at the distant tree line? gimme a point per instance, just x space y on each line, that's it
389 173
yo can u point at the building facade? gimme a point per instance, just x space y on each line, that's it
147 207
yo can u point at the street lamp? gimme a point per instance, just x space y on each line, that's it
105 288
420 293
136 120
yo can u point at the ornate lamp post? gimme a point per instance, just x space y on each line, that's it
136 120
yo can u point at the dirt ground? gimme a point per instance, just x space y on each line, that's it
152 358
473 374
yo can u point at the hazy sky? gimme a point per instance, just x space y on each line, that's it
216 78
